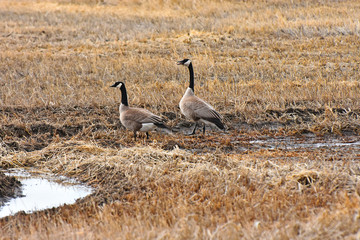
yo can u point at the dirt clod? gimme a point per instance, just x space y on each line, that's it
9 187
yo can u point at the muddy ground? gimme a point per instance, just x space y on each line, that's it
29 129
9 188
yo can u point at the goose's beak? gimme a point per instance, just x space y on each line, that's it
114 85
179 63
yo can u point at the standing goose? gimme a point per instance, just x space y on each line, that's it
195 108
137 119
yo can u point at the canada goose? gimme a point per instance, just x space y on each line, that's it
137 119
195 108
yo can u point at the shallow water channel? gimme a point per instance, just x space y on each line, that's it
306 142
42 191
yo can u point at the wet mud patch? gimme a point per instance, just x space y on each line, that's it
217 142
9 188
306 141
335 147
29 129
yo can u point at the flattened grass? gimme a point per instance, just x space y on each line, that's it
176 193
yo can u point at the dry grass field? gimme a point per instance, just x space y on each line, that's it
274 69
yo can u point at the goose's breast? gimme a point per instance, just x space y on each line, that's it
128 122
188 108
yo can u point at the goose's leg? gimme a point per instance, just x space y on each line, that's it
193 132
147 135
204 129
134 135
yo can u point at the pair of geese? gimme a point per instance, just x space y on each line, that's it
194 108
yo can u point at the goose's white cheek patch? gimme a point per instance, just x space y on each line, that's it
147 127
187 63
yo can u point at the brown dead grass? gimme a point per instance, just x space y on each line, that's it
145 192
260 63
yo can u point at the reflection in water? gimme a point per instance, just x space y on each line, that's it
40 193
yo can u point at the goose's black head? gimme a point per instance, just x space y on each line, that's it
186 62
118 85
122 88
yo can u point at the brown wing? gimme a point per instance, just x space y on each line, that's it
201 110
141 115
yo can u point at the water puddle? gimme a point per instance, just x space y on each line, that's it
291 143
42 191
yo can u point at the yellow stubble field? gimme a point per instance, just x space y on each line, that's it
280 70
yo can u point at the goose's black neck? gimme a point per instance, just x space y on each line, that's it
191 71
124 99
